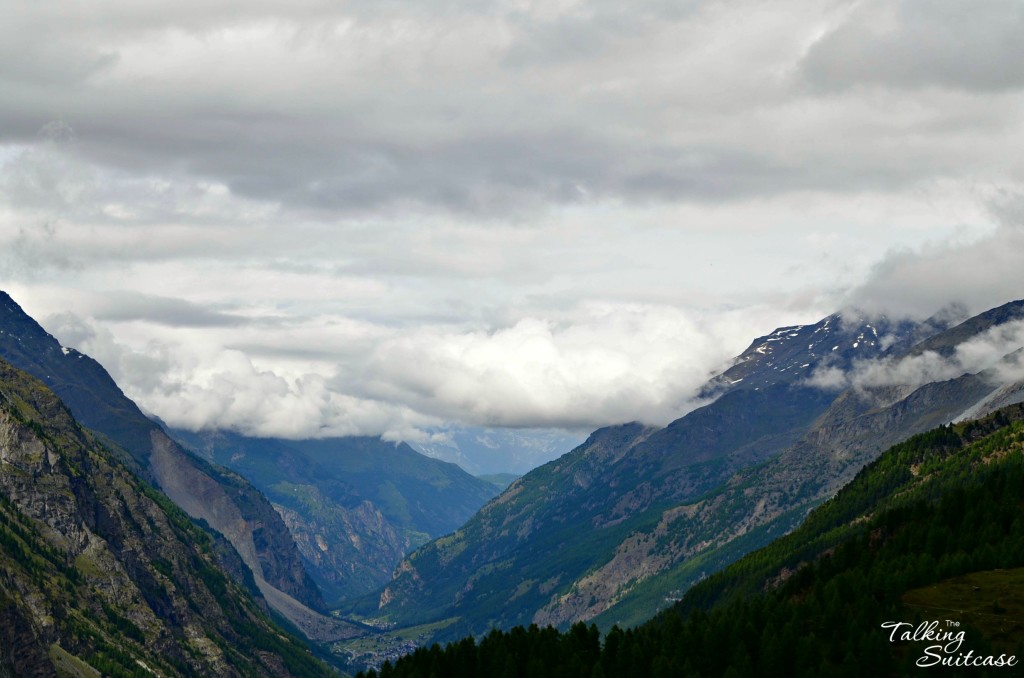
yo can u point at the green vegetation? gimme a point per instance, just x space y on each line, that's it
540 547
101 570
991 601
891 547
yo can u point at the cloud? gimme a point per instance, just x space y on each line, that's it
488 110
604 363
202 386
598 364
393 215
123 305
980 273
920 43
996 354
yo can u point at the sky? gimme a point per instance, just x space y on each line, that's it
310 217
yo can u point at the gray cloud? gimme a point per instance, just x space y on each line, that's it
996 354
122 306
919 43
977 274
490 109
386 217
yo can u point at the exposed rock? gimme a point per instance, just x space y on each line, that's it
252 526
98 569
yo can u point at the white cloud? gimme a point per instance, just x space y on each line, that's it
602 363
599 364
995 352
390 215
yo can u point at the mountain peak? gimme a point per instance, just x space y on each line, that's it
789 355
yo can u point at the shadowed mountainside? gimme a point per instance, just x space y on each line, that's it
355 505
223 499
102 573
616 529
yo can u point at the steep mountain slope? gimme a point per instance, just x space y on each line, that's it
224 500
355 505
789 355
628 521
575 536
930 531
762 502
101 573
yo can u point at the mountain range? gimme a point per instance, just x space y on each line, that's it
489 451
223 499
355 506
415 549
627 522
915 566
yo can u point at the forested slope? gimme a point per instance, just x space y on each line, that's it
941 505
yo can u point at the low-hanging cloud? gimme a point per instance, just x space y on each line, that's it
600 364
995 353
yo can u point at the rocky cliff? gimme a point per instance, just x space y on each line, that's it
354 505
101 573
228 503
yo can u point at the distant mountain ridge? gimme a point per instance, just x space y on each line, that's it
486 451
635 515
355 505
223 499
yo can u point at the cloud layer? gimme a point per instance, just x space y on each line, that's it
319 218
598 364
995 353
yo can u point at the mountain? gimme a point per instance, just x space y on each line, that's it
99 572
487 451
927 542
499 480
221 498
355 506
625 523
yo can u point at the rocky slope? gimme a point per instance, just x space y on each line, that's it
100 573
930 531
356 505
223 499
621 525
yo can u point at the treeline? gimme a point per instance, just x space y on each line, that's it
940 505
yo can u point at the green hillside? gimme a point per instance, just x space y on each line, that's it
892 546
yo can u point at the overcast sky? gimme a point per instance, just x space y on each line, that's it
313 217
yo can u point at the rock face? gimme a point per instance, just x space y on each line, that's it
223 499
622 525
99 572
355 506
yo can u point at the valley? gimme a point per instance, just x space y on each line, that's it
409 551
